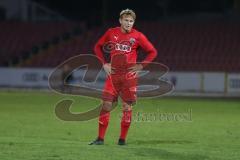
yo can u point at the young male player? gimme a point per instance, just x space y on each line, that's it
122 44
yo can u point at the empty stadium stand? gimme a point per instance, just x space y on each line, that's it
17 38
183 46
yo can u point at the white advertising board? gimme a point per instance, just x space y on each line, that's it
24 77
213 82
233 83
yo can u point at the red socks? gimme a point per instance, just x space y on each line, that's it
104 120
125 123
103 123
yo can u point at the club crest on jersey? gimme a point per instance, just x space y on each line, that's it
132 41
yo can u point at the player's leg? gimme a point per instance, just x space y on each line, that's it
109 98
103 121
128 95
125 122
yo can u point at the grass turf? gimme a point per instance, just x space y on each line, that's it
30 130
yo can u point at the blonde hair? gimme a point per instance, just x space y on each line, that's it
128 12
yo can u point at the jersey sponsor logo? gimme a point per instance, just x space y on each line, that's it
124 46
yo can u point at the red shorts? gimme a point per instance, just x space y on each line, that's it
123 85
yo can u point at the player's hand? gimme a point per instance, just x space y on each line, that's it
134 69
108 69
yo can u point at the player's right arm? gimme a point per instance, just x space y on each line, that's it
98 50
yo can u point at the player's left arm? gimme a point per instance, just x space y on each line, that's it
147 46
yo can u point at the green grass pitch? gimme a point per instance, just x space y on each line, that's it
29 130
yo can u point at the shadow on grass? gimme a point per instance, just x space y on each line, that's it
163 154
154 142
151 152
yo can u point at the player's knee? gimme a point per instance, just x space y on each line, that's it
107 106
127 107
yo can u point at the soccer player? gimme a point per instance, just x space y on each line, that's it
122 44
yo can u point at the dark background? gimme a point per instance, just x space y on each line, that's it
105 10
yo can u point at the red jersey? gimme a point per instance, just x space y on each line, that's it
122 47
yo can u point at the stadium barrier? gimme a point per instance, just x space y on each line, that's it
184 82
